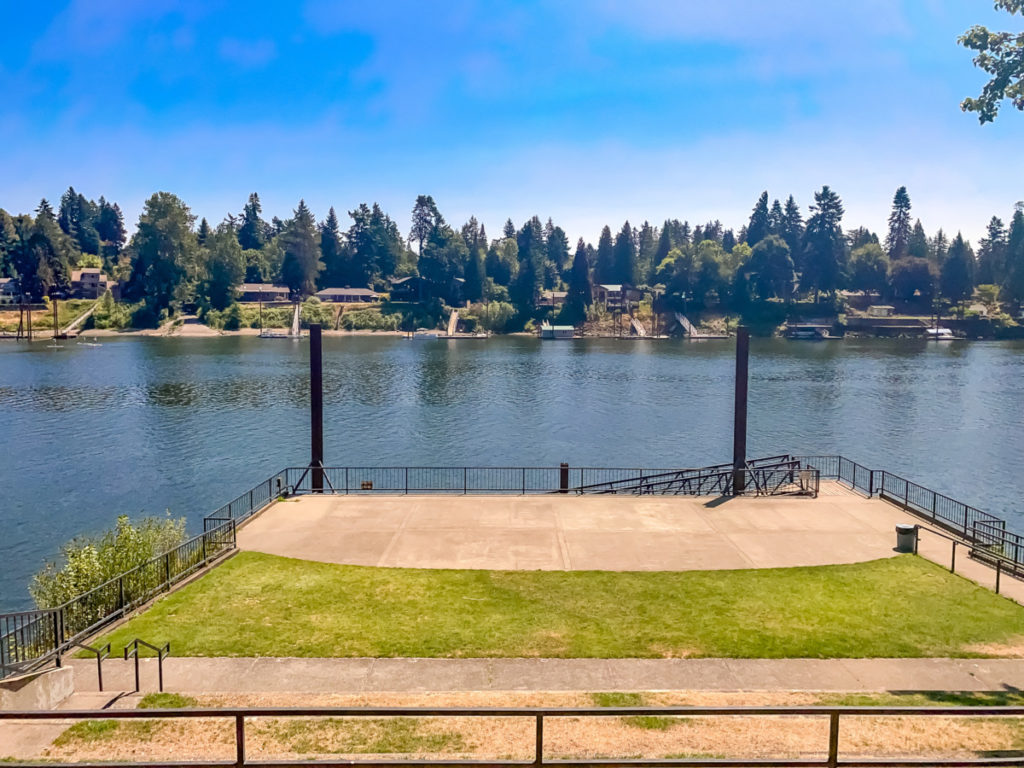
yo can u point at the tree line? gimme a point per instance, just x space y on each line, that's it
779 255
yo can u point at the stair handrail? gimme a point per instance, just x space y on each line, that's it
132 650
102 652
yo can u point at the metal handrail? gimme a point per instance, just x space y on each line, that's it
538 715
132 651
103 652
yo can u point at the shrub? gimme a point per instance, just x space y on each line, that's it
369 320
315 311
110 314
495 316
91 561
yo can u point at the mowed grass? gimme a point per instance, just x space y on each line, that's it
263 605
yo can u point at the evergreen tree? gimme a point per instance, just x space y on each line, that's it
7 240
509 229
225 267
938 247
956 280
917 246
824 244
252 232
992 254
604 269
204 232
793 229
476 274
110 228
1014 284
580 289
776 219
442 259
861 236
502 263
664 246
728 240
163 254
760 222
301 264
898 240
532 255
336 272
558 249
425 218
624 256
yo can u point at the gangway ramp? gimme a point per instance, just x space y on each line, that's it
637 327
453 322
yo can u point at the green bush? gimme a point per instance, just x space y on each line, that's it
110 314
494 316
91 561
369 320
315 311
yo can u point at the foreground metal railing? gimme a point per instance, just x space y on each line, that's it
831 752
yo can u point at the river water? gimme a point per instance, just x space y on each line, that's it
143 425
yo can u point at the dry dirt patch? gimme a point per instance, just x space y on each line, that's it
512 738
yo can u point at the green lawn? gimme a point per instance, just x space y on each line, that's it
262 605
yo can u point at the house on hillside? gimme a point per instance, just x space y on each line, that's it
416 288
9 291
347 295
91 283
552 299
253 292
615 297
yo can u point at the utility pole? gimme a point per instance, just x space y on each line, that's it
739 428
316 408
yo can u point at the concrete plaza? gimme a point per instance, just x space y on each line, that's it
553 532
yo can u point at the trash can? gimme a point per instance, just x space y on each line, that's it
906 537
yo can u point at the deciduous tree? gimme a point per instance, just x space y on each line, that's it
1000 55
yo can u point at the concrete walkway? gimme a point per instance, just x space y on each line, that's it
279 675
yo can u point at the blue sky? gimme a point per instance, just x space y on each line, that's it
588 112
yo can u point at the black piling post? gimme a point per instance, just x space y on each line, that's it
316 408
739 427
563 478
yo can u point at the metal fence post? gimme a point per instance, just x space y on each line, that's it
999 571
524 481
239 740
538 754
120 593
833 740
952 564
563 477
167 571
56 636
464 485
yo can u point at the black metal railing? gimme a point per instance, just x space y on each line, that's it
831 754
32 639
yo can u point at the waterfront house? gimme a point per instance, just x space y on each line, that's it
91 283
8 290
616 297
553 299
347 295
253 292
881 310
416 288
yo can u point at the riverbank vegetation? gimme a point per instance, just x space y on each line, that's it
782 262
89 561
263 605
